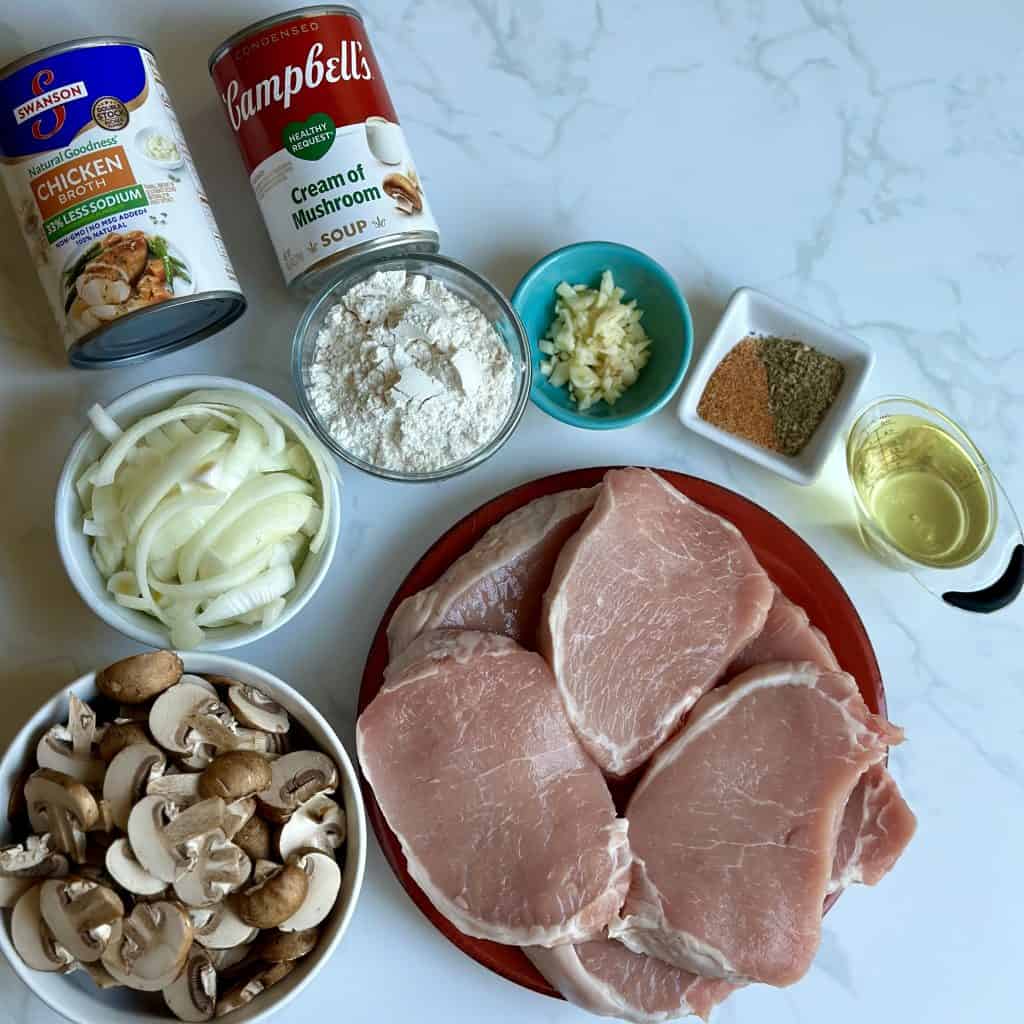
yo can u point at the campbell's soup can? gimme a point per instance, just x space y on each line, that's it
325 153
110 204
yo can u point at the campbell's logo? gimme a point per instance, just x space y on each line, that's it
46 100
350 64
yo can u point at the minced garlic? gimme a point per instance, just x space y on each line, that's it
595 345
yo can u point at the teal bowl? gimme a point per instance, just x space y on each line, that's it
666 320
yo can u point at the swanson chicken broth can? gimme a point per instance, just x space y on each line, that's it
107 197
326 156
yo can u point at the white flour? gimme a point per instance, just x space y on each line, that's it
408 376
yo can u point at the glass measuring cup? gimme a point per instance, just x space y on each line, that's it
968 536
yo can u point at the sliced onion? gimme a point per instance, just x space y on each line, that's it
273 430
103 423
256 593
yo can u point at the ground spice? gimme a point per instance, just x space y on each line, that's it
736 396
772 391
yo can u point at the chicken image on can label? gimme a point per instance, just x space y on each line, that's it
320 139
110 204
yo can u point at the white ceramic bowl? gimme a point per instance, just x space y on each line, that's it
753 312
74 545
74 995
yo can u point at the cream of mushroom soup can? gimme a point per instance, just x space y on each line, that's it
110 204
326 156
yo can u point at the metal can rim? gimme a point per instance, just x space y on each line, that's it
81 43
276 19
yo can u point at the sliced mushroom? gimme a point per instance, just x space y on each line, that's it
151 951
262 870
235 775
406 195
275 899
246 991
182 788
192 996
83 916
23 865
101 977
324 877
33 939
255 709
186 720
220 927
202 681
295 778
221 683
276 947
318 824
17 808
137 679
226 959
162 836
128 777
124 868
237 815
63 807
220 868
254 838
119 735
71 748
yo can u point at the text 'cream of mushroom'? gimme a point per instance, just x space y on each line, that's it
321 142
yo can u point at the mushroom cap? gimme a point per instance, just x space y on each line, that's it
246 991
277 946
119 735
237 815
123 866
220 927
60 805
128 777
135 680
252 707
169 717
235 775
254 838
33 859
274 899
83 916
295 778
152 948
220 868
192 996
33 939
321 893
318 824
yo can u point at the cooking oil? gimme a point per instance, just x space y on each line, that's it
923 491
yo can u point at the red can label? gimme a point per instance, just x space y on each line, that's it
320 139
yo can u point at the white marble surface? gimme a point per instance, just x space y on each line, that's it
863 160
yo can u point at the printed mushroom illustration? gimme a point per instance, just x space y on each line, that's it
192 996
139 678
151 950
23 865
219 927
321 892
256 710
295 778
71 748
246 991
162 836
124 868
33 939
128 776
219 868
63 807
83 916
274 899
318 824
403 190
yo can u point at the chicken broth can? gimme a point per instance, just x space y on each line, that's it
321 142
108 199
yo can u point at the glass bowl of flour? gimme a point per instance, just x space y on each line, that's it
412 367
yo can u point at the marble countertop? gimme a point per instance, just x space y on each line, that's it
862 160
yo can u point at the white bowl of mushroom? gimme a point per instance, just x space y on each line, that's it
185 839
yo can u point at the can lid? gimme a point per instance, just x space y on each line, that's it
157 329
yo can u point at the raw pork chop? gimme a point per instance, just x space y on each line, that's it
497 586
730 879
606 978
877 823
505 823
649 602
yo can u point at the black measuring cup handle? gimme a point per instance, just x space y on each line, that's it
995 596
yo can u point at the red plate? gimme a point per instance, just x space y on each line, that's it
801 575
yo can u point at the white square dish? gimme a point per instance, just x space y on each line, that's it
752 312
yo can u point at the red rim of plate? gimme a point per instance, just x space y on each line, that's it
789 560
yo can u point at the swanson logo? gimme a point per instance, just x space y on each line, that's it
44 100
